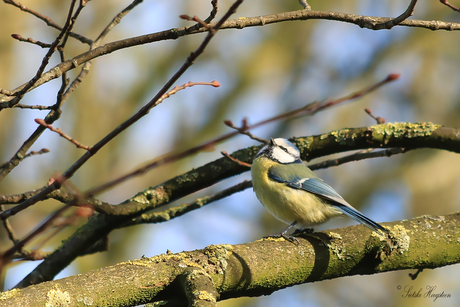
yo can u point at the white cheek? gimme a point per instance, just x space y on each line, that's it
282 156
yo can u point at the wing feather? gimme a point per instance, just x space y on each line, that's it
318 187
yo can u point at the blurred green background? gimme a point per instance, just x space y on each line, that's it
263 71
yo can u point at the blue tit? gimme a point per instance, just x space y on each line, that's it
294 194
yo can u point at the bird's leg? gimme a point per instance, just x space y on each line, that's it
305 4
284 234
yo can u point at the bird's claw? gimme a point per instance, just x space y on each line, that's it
284 236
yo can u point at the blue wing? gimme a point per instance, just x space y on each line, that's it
321 189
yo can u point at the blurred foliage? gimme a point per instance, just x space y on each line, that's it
263 71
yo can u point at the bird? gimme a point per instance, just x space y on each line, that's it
292 193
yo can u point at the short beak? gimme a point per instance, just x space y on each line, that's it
272 142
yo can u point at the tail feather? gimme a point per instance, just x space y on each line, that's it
361 218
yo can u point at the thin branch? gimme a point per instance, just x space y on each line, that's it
54 114
59 195
9 229
30 40
369 22
116 20
62 134
198 20
8 255
36 153
19 94
48 21
36 107
87 65
394 22
244 130
379 120
309 109
366 154
446 2
213 13
142 170
166 215
225 154
30 154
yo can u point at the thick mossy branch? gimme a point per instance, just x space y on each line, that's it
408 135
199 288
405 135
256 268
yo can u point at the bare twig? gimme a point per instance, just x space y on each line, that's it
378 119
182 87
62 134
225 154
62 97
244 130
30 40
9 229
30 154
446 2
48 21
363 21
314 107
36 107
198 20
36 153
116 20
86 67
394 22
163 216
8 255
365 154
155 163
213 13
45 59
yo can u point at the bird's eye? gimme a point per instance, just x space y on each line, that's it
284 148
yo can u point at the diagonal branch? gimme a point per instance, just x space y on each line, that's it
48 21
394 22
158 98
447 3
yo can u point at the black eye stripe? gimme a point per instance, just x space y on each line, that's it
284 148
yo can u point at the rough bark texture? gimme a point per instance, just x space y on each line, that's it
256 268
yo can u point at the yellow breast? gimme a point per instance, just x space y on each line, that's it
288 204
